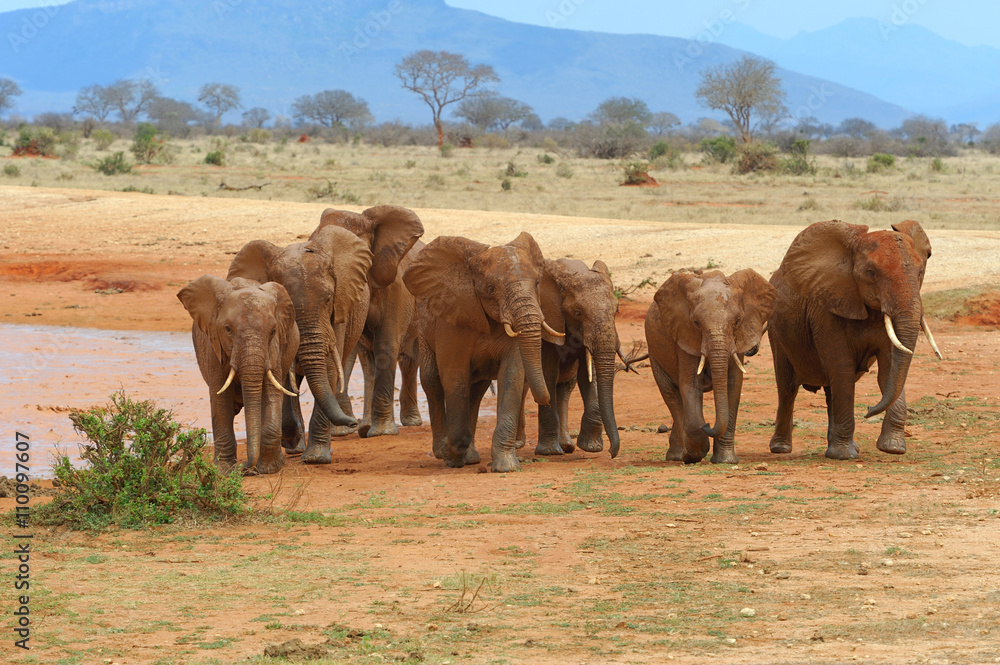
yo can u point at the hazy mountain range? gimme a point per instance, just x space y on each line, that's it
277 50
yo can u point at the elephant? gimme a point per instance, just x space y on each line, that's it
245 337
479 319
391 233
326 278
579 301
845 299
699 330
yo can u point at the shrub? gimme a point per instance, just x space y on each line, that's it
141 470
216 158
102 138
12 170
114 164
505 184
798 163
546 158
513 172
609 141
145 145
447 149
756 157
938 165
637 173
876 203
659 149
719 150
35 142
564 170
880 161
257 135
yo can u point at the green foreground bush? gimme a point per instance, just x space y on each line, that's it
141 470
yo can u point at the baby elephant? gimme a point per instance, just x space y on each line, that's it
699 328
245 339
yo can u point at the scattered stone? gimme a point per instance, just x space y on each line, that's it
805 596
782 575
748 612
817 638
782 616
299 613
862 570
911 615
931 610
432 627
592 580
436 585
887 563
870 602
295 650
760 467
905 534
925 532
730 640
662 429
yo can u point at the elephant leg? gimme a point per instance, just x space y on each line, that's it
672 398
840 432
343 396
476 398
320 428
409 411
385 346
522 424
431 382
458 419
223 436
590 438
272 457
293 427
788 387
367 362
548 414
696 441
563 392
891 438
724 448
510 391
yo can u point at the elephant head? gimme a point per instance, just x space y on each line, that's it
389 231
717 318
860 275
475 286
250 327
326 279
581 300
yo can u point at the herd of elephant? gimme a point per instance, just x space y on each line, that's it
469 315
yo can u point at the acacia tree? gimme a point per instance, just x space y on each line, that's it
491 111
256 117
621 111
95 101
8 90
333 108
662 122
130 97
442 78
744 89
220 98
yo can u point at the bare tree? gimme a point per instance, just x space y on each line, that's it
256 117
661 123
95 101
130 98
333 108
175 116
621 111
744 89
858 128
8 90
220 98
491 111
442 78
966 132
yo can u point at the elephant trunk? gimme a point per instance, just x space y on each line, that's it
907 328
251 368
604 362
314 362
526 316
719 354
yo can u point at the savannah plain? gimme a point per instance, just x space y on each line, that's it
387 556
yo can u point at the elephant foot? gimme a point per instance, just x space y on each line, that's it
272 464
845 450
342 430
675 451
411 419
724 455
780 446
472 455
378 428
439 447
567 445
893 443
317 455
505 461
548 446
591 442
226 464
692 458
519 443
295 445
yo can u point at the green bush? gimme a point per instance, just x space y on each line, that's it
114 164
637 173
798 163
880 161
102 138
216 158
659 149
447 149
505 185
257 135
39 142
141 470
546 158
12 170
938 165
513 172
145 146
564 170
756 157
719 150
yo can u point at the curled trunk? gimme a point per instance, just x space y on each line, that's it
314 362
718 355
907 328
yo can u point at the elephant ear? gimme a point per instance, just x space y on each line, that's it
396 230
820 265
440 275
284 316
527 244
756 302
348 260
920 240
202 298
254 261
550 298
675 311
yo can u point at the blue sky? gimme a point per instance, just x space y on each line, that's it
970 22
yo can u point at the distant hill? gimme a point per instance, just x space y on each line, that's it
907 64
276 50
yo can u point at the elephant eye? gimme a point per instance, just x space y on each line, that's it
491 289
273 331
871 273
737 322
697 324
577 313
229 329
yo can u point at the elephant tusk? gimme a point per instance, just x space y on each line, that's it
291 380
701 365
341 382
550 331
930 338
232 374
274 382
738 363
764 329
510 331
892 335
590 366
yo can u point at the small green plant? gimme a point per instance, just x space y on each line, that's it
624 292
35 143
113 164
102 139
216 158
133 188
938 165
808 204
756 157
145 145
546 158
12 170
447 149
410 163
505 185
798 163
141 470
435 181
659 149
719 150
513 172
880 161
563 170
